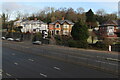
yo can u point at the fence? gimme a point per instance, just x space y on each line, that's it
116 47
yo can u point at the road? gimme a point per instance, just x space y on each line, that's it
103 60
18 64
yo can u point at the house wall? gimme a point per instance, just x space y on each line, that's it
62 29
31 26
104 31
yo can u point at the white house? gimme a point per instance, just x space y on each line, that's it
32 26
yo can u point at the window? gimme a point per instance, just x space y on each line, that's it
57 26
110 27
66 26
111 33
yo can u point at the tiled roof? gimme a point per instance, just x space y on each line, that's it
62 21
111 22
30 21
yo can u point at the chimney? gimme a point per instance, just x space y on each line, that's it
35 19
62 18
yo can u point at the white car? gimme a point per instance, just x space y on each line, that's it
10 39
3 38
37 42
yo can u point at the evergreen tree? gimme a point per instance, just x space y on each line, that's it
90 18
79 32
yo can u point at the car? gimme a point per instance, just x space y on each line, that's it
3 38
18 40
10 39
37 42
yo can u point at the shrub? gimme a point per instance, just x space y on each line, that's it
37 37
72 43
78 44
101 45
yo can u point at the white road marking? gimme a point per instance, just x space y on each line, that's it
43 75
30 59
6 43
112 59
57 68
106 62
8 74
16 63
26 47
13 54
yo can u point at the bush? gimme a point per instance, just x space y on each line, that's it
78 44
101 45
37 37
62 40
72 43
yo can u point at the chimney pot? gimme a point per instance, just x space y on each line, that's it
62 18
35 19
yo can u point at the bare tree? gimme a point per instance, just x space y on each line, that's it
101 12
80 10
19 15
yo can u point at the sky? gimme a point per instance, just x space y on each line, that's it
32 6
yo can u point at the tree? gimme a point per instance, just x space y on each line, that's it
71 15
79 32
90 19
3 16
93 35
18 15
80 10
101 12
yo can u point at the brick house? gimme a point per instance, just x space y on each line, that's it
61 27
110 29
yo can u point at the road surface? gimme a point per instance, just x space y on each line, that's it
17 64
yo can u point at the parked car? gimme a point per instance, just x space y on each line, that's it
3 38
37 42
10 39
18 40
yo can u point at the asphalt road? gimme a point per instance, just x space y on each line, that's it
0 60
18 64
102 59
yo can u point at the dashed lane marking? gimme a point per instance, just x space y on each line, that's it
112 59
16 63
43 75
106 62
8 74
26 47
13 54
57 68
30 59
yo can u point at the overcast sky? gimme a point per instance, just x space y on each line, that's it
31 6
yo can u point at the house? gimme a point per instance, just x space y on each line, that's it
61 27
110 29
32 26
